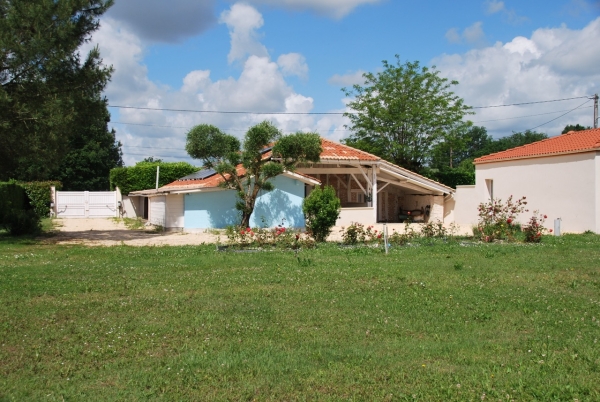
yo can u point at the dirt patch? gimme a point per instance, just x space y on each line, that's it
110 232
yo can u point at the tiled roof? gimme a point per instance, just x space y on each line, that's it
211 181
572 142
336 151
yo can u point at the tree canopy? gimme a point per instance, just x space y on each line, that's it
401 112
574 127
224 153
452 159
51 104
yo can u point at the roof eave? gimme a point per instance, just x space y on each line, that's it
579 151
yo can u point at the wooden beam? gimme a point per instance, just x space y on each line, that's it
321 170
382 187
359 185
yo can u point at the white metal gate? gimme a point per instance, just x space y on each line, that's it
86 204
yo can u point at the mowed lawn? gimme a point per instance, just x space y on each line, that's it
429 321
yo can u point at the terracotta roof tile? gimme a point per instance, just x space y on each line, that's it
572 142
336 151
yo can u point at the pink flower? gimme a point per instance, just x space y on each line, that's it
248 230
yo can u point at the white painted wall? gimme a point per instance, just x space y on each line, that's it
174 213
465 206
564 186
132 207
362 215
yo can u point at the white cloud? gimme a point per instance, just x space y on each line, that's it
243 21
554 63
493 6
472 35
330 8
508 15
260 87
293 64
348 80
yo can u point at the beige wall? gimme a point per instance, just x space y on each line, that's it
362 215
563 186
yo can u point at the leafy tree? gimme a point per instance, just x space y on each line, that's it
152 159
321 209
512 141
452 160
48 95
142 176
225 154
402 112
576 127
464 142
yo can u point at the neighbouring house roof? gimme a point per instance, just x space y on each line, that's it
571 142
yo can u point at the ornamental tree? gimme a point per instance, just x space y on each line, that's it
243 165
402 112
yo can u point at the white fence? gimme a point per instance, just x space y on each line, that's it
86 204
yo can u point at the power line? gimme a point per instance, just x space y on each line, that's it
529 103
316 113
342 130
524 116
224 111
531 129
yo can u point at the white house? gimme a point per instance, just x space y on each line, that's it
560 177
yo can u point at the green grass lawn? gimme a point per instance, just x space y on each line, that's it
432 321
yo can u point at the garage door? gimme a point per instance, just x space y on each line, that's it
86 204
157 210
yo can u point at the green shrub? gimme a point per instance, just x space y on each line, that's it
535 228
358 233
12 196
39 193
18 222
497 219
321 210
142 176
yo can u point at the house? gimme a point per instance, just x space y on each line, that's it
560 176
371 190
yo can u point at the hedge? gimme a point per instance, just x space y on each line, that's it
12 196
40 195
142 176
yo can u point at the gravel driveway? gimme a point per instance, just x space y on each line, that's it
109 232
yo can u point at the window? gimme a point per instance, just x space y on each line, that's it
490 188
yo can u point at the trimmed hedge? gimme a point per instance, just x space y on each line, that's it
12 196
16 214
142 176
40 195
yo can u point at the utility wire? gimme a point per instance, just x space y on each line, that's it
529 103
549 121
337 129
315 113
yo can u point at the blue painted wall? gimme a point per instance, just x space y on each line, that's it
216 209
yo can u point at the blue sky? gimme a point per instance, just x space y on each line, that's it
294 56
